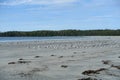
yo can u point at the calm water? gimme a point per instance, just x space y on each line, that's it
12 39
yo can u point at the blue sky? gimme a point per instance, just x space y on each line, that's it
29 15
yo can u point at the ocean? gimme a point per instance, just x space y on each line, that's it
14 39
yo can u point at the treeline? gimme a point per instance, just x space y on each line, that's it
60 33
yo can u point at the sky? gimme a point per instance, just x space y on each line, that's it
30 15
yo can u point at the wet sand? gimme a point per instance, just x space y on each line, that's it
93 59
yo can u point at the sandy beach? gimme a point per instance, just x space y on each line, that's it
97 58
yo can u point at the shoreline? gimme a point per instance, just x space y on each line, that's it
30 39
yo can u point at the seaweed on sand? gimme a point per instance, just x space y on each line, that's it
88 72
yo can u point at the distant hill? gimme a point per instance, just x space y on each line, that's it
43 33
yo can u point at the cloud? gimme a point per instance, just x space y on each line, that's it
51 1
99 3
14 2
35 2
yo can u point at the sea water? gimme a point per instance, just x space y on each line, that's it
14 39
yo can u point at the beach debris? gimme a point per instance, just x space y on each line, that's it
52 55
23 62
106 61
74 52
21 59
70 60
118 67
32 72
88 72
24 74
12 63
37 56
64 66
60 56
89 78
35 70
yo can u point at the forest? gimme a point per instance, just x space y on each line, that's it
42 33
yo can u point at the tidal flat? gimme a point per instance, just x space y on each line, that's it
90 59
